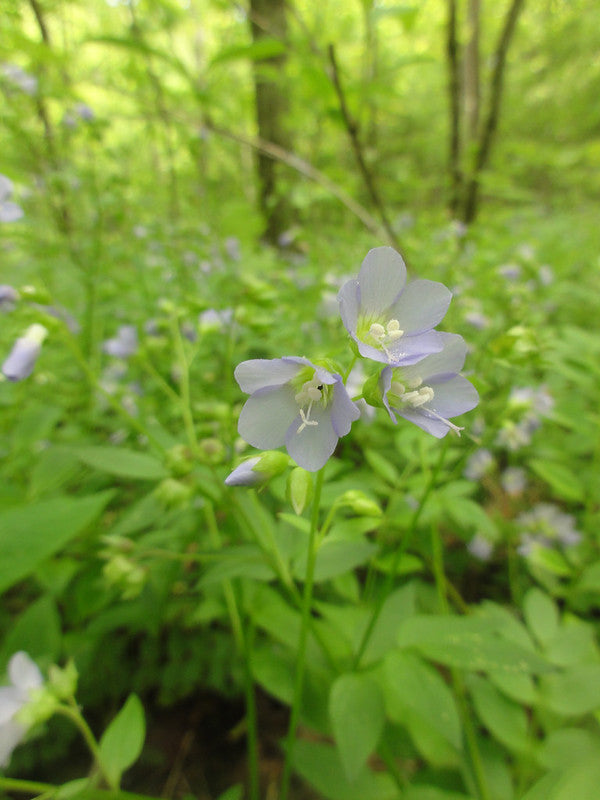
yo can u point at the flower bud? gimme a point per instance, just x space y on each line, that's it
258 469
63 681
299 489
179 460
360 503
173 493
21 359
371 391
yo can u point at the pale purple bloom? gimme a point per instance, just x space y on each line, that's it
294 403
544 526
124 344
20 79
9 297
215 318
389 320
24 678
478 463
431 392
545 275
480 547
9 211
232 248
510 272
477 319
515 435
514 481
21 359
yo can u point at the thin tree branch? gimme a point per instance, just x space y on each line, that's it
352 129
278 153
452 53
491 121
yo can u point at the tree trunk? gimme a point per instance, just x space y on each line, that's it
471 72
454 101
268 20
490 124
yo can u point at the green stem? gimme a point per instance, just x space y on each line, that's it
251 715
27 787
72 712
243 640
392 574
184 380
133 422
478 772
302 643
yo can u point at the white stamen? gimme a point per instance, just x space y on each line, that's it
414 383
305 418
387 334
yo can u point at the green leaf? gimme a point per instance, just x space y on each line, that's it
578 782
505 720
36 631
469 643
122 462
384 468
122 741
245 560
573 692
30 534
418 698
564 747
357 715
562 479
334 557
320 765
260 50
541 615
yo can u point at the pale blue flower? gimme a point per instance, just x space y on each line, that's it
545 525
478 463
24 678
431 392
21 359
389 320
124 344
20 79
514 481
9 297
480 547
294 403
9 211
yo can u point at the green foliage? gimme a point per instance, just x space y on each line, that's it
452 639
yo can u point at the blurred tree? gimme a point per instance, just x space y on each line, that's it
268 21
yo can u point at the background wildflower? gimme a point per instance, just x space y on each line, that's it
21 359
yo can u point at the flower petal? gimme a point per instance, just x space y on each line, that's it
312 447
421 306
11 733
385 384
436 427
21 360
267 415
244 474
261 372
349 302
412 349
448 361
343 411
10 212
11 700
382 277
453 397
23 672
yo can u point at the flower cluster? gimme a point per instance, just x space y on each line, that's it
25 678
305 406
545 525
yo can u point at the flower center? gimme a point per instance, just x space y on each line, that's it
310 393
414 395
385 334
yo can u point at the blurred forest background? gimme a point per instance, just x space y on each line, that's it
194 180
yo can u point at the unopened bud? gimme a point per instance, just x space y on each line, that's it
299 489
